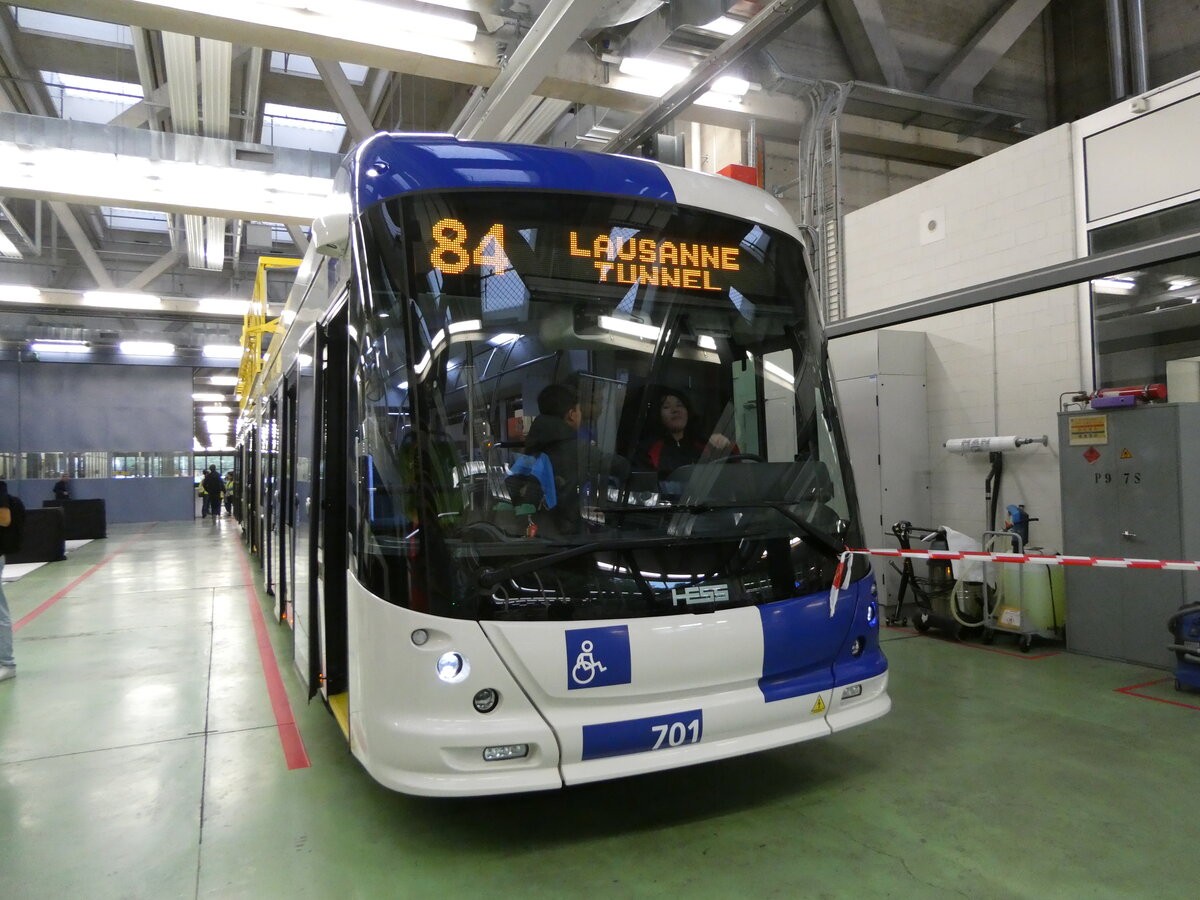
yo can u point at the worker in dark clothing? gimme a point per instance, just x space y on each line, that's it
214 486
555 432
62 487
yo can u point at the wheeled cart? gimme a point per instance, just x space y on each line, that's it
938 599
1026 600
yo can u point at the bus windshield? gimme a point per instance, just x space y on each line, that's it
585 407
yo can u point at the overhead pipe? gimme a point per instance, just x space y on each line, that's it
1116 49
1139 68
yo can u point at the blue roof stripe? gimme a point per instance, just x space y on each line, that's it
394 164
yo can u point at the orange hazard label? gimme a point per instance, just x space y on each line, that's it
1125 454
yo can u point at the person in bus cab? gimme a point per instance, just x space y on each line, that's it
677 438
555 432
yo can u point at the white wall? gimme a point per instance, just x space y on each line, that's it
992 370
1001 369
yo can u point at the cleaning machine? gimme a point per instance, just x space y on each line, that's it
1184 626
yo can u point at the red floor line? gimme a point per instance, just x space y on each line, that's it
967 646
29 617
1131 691
285 721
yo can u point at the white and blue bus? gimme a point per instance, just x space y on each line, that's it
486 613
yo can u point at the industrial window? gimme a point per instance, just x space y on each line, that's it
1144 319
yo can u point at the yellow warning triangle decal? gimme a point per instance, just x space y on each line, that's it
1125 454
819 706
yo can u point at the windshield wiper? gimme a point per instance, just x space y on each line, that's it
809 533
490 577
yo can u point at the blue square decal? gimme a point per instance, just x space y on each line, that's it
598 657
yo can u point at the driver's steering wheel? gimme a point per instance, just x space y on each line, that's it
739 457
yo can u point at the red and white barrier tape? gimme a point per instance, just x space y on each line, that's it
841 578
1104 562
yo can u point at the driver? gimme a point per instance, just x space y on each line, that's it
677 438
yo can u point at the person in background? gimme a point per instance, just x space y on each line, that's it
213 486
677 437
62 487
229 493
8 665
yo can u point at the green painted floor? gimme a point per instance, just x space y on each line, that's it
139 759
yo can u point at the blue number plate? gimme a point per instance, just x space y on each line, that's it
639 735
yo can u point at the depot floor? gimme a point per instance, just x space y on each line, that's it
139 757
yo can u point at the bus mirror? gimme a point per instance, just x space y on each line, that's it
331 233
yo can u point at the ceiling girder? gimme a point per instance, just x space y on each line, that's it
319 32
74 229
556 29
28 85
775 17
971 63
345 101
256 65
160 266
864 33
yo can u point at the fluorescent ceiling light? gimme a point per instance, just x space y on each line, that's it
216 410
467 325
8 248
1179 284
652 70
223 307
503 338
119 300
208 398
730 84
724 25
228 380
636 329
59 347
19 293
1113 285
147 348
223 351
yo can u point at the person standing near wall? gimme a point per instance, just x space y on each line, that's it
229 493
62 487
214 486
8 664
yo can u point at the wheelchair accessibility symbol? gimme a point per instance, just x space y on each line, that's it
597 657
586 665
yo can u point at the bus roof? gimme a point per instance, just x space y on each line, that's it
389 165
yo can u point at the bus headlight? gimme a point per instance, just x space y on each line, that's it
453 667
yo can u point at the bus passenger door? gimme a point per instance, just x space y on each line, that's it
304 584
329 495
270 492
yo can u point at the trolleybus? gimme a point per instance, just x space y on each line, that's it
485 616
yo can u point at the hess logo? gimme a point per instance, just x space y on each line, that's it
702 593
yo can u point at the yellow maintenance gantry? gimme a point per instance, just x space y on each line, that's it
257 326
